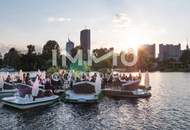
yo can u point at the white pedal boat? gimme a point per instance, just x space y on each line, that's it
28 103
83 92
73 97
7 90
131 83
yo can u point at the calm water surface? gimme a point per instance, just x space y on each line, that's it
168 108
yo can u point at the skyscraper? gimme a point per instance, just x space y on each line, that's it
85 42
69 46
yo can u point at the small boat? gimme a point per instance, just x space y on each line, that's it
27 102
7 69
29 97
130 89
7 90
131 83
119 93
84 92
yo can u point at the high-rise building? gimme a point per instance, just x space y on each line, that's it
85 42
187 46
69 46
169 51
150 50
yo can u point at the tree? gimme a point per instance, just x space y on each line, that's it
48 47
185 57
145 62
12 58
107 63
31 49
47 53
1 60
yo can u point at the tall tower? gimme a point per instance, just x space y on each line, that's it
69 46
187 46
85 42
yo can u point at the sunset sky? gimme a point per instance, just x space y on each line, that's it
119 23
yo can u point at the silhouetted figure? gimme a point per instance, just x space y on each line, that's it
8 79
130 77
27 79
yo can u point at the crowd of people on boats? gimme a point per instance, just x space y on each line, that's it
52 82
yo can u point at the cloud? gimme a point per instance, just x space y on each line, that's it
58 19
121 20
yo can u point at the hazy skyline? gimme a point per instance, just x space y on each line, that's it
118 23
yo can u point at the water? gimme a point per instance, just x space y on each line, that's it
168 108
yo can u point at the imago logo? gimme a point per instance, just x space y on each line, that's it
128 58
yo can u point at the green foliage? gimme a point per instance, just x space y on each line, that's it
107 63
31 60
52 70
48 47
185 57
145 62
12 58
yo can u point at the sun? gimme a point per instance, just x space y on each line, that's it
131 40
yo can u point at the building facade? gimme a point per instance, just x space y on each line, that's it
69 46
150 50
169 51
85 42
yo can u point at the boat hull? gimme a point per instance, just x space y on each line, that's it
24 106
78 101
131 84
124 94
71 97
7 93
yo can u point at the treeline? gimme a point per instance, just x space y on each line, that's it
32 60
182 65
144 62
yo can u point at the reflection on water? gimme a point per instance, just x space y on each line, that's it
168 108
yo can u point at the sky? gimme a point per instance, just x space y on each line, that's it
121 24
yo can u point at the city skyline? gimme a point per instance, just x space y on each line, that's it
112 23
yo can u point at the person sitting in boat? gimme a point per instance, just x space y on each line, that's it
140 76
24 78
110 80
84 77
18 80
65 76
88 78
48 84
126 78
27 79
130 77
93 79
78 79
40 79
8 79
123 77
